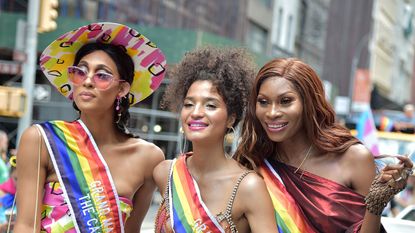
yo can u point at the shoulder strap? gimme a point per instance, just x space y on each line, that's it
228 211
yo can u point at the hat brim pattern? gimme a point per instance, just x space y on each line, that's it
149 61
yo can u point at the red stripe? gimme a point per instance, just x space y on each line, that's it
197 207
96 164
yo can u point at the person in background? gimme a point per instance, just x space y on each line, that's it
7 198
406 123
91 174
4 151
321 178
206 190
407 196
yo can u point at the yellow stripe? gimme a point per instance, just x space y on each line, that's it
82 160
182 197
289 222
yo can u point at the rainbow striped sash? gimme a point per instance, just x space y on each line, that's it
84 176
187 210
287 213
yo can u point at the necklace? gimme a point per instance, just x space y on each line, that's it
302 162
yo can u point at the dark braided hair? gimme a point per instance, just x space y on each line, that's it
125 67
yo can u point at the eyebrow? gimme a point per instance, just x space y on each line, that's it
98 67
282 94
206 99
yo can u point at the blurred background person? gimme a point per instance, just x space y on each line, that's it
406 123
406 197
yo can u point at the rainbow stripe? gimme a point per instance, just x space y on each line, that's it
386 124
85 178
290 218
187 210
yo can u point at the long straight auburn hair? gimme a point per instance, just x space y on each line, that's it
318 116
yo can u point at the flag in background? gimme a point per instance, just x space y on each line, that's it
366 132
386 124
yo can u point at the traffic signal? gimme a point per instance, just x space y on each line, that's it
48 12
12 101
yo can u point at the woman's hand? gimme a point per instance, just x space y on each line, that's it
396 175
391 180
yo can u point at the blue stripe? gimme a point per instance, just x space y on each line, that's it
74 192
178 226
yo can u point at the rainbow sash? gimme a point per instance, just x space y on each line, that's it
84 177
288 214
188 213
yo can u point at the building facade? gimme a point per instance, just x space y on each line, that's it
311 35
392 57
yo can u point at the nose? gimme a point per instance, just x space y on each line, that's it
88 79
197 111
273 111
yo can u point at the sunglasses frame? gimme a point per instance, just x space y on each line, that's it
94 76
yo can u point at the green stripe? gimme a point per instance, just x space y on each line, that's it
78 170
281 223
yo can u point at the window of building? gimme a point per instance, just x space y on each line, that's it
290 28
257 38
278 25
267 3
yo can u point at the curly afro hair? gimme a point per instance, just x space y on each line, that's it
231 71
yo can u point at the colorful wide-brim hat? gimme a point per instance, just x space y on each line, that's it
149 61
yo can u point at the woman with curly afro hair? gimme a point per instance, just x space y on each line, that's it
206 190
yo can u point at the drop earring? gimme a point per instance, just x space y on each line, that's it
230 136
183 141
117 109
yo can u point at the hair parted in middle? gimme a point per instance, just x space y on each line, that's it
231 71
125 68
318 115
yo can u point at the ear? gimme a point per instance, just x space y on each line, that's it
124 89
230 121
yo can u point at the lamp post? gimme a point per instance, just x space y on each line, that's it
29 67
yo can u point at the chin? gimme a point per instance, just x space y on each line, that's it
276 138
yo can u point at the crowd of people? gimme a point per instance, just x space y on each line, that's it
7 182
295 169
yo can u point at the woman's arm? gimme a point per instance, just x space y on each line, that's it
28 180
143 196
161 176
363 169
259 209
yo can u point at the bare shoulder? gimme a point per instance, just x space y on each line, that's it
149 151
29 143
161 174
251 184
357 154
30 134
253 194
358 168
163 167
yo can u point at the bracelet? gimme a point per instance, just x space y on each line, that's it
379 195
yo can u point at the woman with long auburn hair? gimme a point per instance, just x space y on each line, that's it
320 177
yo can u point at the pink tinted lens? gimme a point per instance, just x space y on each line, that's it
102 80
76 75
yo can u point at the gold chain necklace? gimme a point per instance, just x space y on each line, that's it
302 162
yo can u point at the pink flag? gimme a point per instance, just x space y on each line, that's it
367 133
